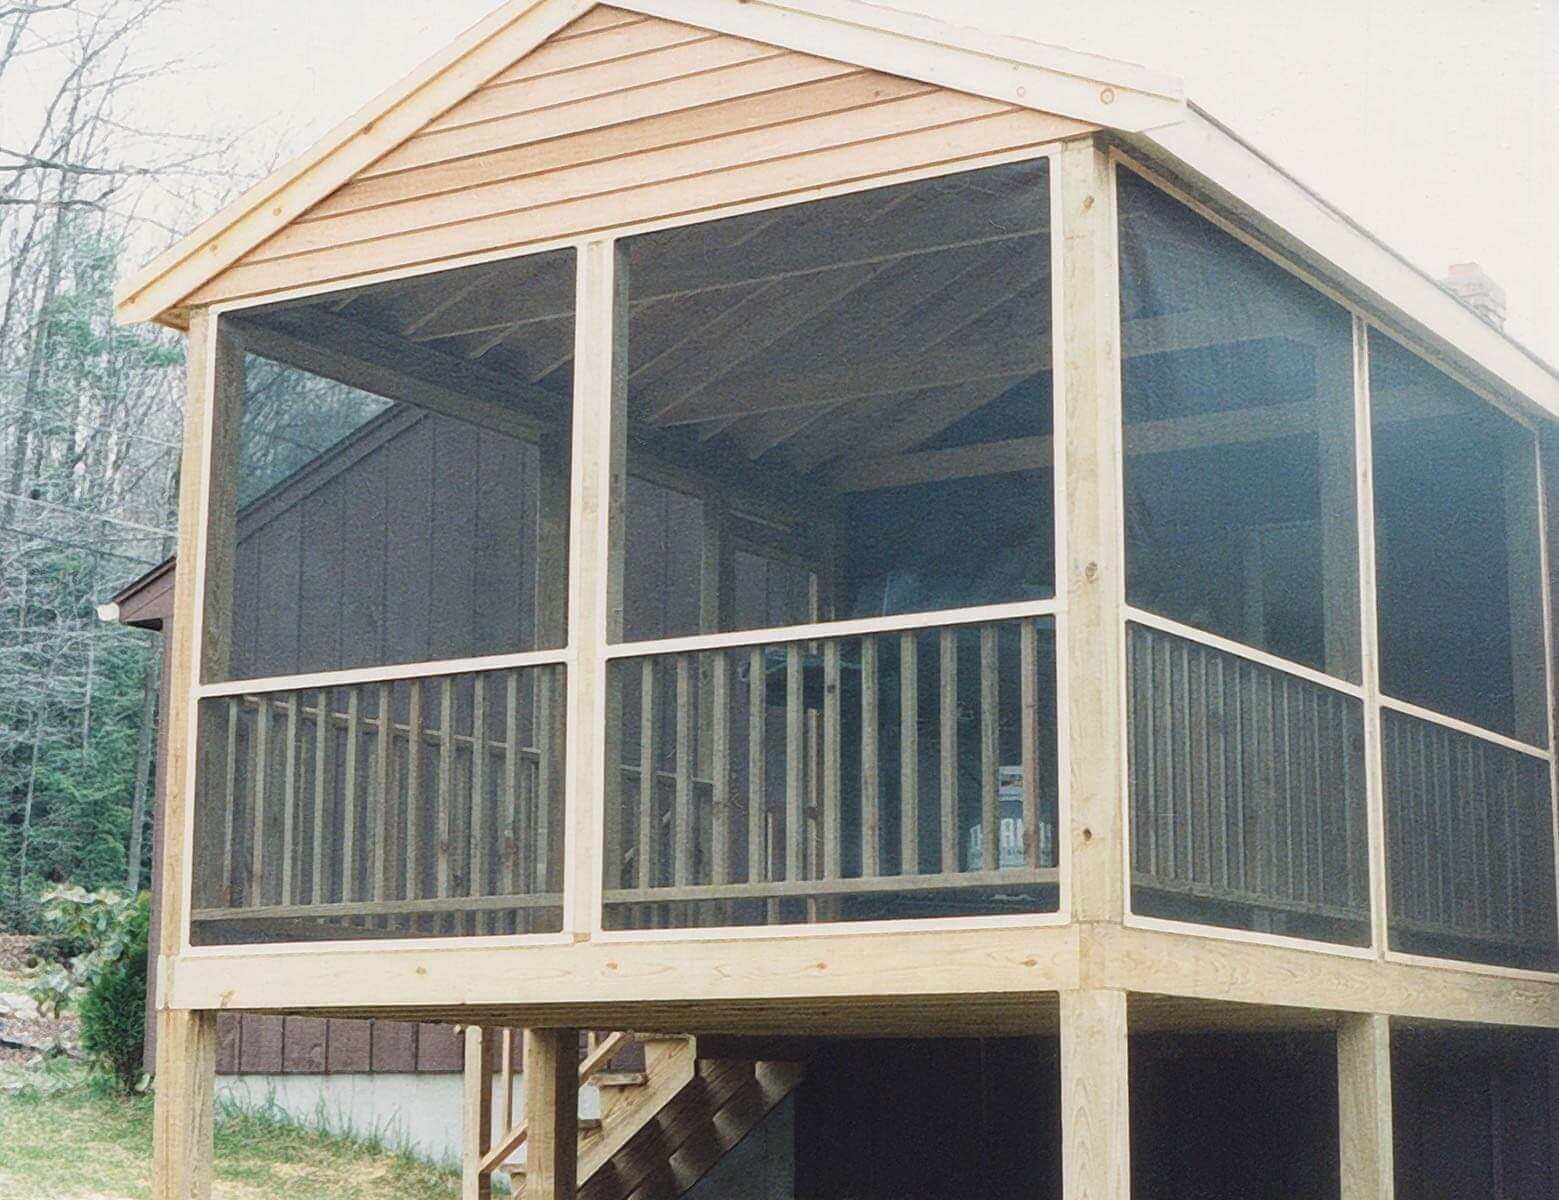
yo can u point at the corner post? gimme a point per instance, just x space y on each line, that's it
600 461
182 1129
1364 1106
552 1114
1089 370
1095 1125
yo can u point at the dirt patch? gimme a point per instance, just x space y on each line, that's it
16 958
26 1035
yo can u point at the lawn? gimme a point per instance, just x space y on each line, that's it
63 1138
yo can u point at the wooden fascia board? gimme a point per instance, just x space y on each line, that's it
1050 79
490 46
1253 191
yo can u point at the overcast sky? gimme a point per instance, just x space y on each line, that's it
1433 122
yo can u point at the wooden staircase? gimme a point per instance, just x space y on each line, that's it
662 1127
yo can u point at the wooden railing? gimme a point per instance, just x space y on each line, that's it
879 774
386 808
1247 787
1469 844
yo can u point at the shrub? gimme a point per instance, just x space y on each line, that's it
113 1010
106 981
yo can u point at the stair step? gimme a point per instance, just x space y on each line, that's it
619 1079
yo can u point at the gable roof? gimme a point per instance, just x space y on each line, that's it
1020 72
1147 111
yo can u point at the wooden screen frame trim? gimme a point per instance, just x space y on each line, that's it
1365 324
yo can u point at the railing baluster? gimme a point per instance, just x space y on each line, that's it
444 804
1028 669
476 878
379 797
909 755
683 827
757 766
257 790
871 816
348 889
289 870
509 839
990 751
445 797
947 686
412 841
795 760
324 788
649 826
720 769
833 754
548 710
229 799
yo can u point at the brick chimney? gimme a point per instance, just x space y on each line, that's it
1471 284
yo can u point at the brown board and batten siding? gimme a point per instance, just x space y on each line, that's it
618 120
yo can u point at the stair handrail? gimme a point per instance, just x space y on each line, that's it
605 1050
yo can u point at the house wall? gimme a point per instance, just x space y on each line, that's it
621 119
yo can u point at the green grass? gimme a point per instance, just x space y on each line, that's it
63 1137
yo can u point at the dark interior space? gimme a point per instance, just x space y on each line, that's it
1476 1113
1213 1117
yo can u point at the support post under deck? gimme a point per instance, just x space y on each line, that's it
552 1114
1095 1128
1364 1106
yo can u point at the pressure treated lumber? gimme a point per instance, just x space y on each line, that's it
552 1113
1091 573
182 1123
477 1112
1364 1106
1095 1127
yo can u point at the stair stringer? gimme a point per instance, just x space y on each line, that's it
670 1065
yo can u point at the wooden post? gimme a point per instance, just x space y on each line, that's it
182 1144
1364 1106
600 460
475 1183
1095 1125
551 1113
182 1135
1091 653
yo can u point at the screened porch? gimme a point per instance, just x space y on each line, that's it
830 683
